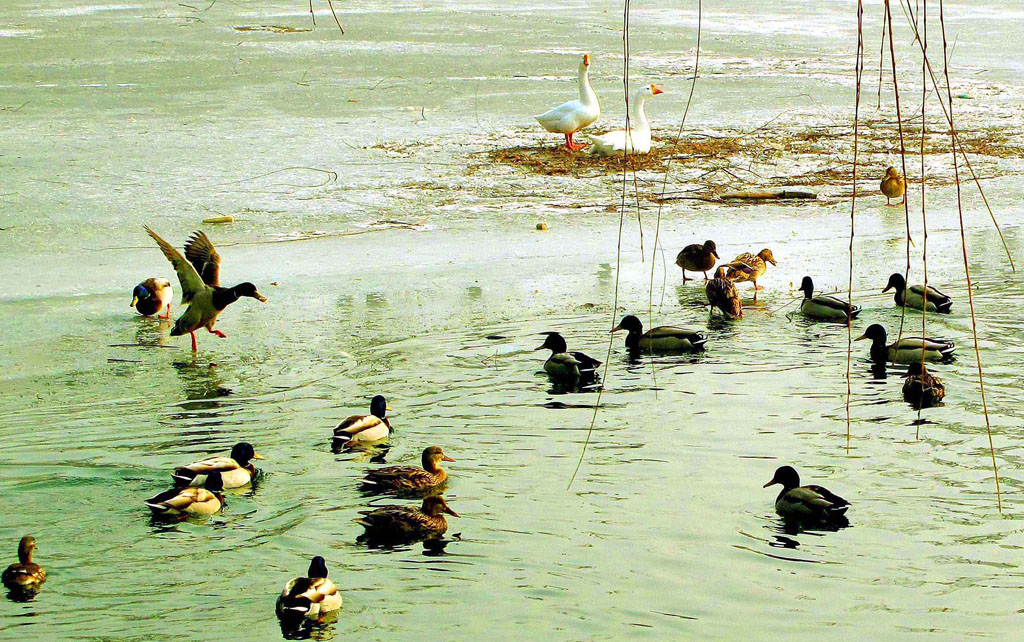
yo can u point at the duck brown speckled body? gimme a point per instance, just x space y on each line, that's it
407 523
893 186
722 294
922 388
24 578
750 267
697 258
409 478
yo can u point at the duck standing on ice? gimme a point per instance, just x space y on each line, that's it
570 117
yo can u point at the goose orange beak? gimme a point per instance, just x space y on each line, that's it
655 90
586 59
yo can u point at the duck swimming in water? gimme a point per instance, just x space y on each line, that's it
922 389
915 296
364 429
205 297
806 503
409 478
190 500
563 364
24 578
824 307
907 350
311 596
664 337
236 471
407 523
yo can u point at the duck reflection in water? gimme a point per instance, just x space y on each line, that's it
309 629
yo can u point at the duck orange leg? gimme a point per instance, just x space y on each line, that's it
195 348
166 315
684 276
217 332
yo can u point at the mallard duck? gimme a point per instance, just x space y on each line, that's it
407 523
310 596
914 296
807 503
205 298
405 478
664 337
824 307
151 296
235 471
922 388
909 348
697 258
722 294
364 428
190 500
750 267
565 364
24 578
637 140
570 117
893 186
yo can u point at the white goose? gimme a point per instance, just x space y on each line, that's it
638 139
568 118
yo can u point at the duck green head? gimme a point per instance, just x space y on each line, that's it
214 482
554 342
379 406
140 293
875 332
807 287
896 281
317 567
243 453
785 475
630 324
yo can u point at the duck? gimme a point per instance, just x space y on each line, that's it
922 388
893 186
362 429
409 478
824 307
750 267
311 596
664 337
199 277
697 258
24 578
570 117
153 296
916 295
722 294
190 500
910 349
565 364
806 503
407 523
637 140
236 470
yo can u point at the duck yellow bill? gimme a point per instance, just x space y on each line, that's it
257 456
261 298
135 300
446 458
